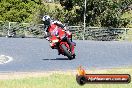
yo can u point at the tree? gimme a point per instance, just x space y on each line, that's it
20 10
68 4
106 13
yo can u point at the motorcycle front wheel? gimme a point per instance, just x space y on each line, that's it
66 52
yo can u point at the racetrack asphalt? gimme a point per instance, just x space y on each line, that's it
30 54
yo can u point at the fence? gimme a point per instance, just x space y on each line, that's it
91 33
101 34
21 29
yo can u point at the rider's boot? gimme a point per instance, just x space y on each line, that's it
59 52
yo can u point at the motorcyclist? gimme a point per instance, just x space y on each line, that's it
47 22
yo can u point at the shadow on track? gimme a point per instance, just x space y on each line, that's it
57 59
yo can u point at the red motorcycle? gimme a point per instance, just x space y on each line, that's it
58 40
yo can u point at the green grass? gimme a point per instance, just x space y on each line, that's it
129 35
57 80
128 15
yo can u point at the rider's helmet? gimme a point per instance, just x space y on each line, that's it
46 19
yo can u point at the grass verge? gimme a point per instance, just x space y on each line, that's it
58 79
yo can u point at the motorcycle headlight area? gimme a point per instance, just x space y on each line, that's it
55 41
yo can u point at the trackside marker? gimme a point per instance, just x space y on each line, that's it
83 78
5 59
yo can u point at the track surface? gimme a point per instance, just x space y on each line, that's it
36 55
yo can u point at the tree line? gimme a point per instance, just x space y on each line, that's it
101 13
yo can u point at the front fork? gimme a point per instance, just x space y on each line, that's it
72 45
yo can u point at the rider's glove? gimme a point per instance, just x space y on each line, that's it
65 28
68 32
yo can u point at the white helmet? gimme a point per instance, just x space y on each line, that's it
46 18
